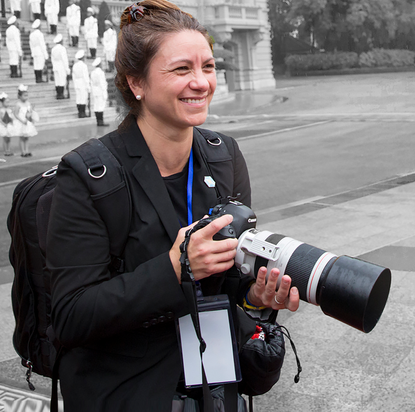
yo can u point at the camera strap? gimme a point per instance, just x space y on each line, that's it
189 289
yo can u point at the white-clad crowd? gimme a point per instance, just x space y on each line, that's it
89 87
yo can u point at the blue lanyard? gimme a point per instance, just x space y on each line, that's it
199 292
190 190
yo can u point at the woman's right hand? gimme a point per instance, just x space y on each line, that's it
206 256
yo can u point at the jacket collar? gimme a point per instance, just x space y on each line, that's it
147 174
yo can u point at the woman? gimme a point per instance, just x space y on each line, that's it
122 352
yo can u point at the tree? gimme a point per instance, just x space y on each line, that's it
354 25
280 28
379 23
63 5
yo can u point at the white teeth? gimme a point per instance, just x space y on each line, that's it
193 100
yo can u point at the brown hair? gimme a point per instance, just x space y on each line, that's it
138 41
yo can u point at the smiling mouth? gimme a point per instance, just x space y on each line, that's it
194 101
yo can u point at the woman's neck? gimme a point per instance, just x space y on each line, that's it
170 149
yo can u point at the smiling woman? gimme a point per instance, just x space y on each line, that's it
139 43
119 327
179 86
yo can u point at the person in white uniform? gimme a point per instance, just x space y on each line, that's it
14 46
35 8
16 7
99 91
73 22
60 64
91 32
109 41
80 77
38 49
52 8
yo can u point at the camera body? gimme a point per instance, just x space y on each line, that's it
243 219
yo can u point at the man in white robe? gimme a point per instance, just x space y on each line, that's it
52 8
60 64
99 88
91 32
73 22
80 77
38 49
109 41
14 46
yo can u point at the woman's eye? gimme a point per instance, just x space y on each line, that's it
210 66
181 69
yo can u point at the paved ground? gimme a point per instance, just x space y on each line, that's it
343 369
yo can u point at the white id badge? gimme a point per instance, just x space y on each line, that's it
220 359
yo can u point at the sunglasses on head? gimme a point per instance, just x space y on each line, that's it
136 12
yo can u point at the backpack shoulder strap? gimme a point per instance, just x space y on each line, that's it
105 178
211 145
214 148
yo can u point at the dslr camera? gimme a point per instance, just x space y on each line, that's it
348 289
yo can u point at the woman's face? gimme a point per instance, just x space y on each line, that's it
180 82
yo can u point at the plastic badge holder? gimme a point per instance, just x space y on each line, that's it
220 359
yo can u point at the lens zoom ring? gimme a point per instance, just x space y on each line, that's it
300 267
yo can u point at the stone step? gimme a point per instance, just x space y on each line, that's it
52 112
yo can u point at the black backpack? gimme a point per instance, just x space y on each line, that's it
27 222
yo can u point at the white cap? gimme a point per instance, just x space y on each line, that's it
96 62
3 96
58 38
91 10
12 20
80 54
22 88
36 24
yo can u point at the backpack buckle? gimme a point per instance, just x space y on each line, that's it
217 141
50 172
90 170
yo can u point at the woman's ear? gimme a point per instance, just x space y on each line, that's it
135 85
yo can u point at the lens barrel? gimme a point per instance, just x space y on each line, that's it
348 289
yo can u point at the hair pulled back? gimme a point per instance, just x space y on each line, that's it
139 41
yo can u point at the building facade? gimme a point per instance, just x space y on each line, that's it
241 26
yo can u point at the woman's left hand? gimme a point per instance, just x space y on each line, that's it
264 292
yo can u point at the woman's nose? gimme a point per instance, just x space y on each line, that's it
199 81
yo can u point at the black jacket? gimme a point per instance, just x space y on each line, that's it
119 331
